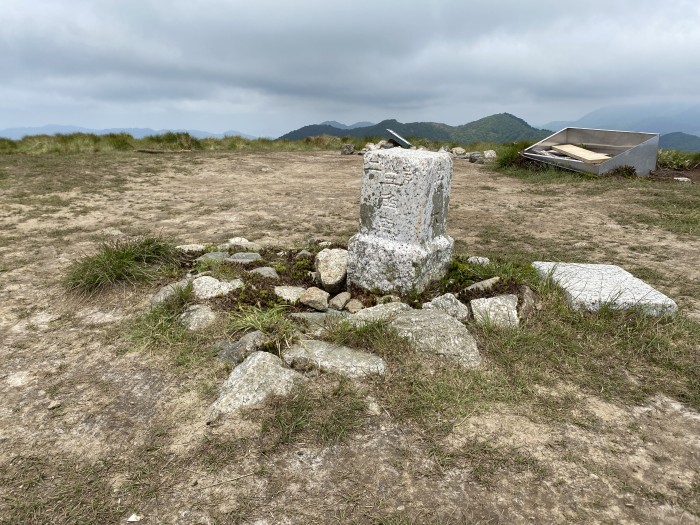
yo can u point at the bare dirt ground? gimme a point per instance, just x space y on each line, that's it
91 429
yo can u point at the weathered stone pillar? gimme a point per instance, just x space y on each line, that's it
402 244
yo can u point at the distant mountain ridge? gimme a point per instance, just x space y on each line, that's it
502 127
340 125
680 141
649 118
137 133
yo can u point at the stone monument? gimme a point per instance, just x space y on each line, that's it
402 244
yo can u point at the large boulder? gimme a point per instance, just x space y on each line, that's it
329 357
258 377
331 269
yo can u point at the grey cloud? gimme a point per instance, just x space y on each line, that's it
364 58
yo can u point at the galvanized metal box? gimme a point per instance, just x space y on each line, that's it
625 148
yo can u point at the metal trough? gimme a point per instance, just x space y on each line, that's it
624 148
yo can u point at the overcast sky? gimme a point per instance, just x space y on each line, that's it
266 67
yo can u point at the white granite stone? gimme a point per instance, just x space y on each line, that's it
331 269
290 294
401 244
590 286
500 311
207 287
258 377
449 304
329 357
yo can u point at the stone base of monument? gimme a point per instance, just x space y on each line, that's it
391 266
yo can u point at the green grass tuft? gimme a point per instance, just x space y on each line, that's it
128 261
270 321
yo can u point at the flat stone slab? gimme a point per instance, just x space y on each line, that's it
258 377
329 357
244 258
290 294
207 287
381 312
435 332
590 286
500 311
266 271
212 256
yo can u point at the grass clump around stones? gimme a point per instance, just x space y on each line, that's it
160 329
122 260
280 331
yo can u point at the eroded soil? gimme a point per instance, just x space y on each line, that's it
85 416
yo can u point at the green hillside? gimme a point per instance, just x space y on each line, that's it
680 141
503 127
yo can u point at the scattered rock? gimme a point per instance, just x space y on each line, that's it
258 377
212 257
290 294
331 268
490 154
208 287
347 149
324 244
329 357
528 305
384 299
168 291
315 298
54 405
244 258
198 317
234 353
500 311
458 152
483 286
243 245
370 146
354 305
339 301
266 271
449 304
482 261
475 156
378 313
191 249
682 179
303 253
590 286
435 332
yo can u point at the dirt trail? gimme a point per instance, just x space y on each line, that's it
72 395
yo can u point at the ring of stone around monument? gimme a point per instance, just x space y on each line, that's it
402 244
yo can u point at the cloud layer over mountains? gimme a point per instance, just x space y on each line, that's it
267 66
